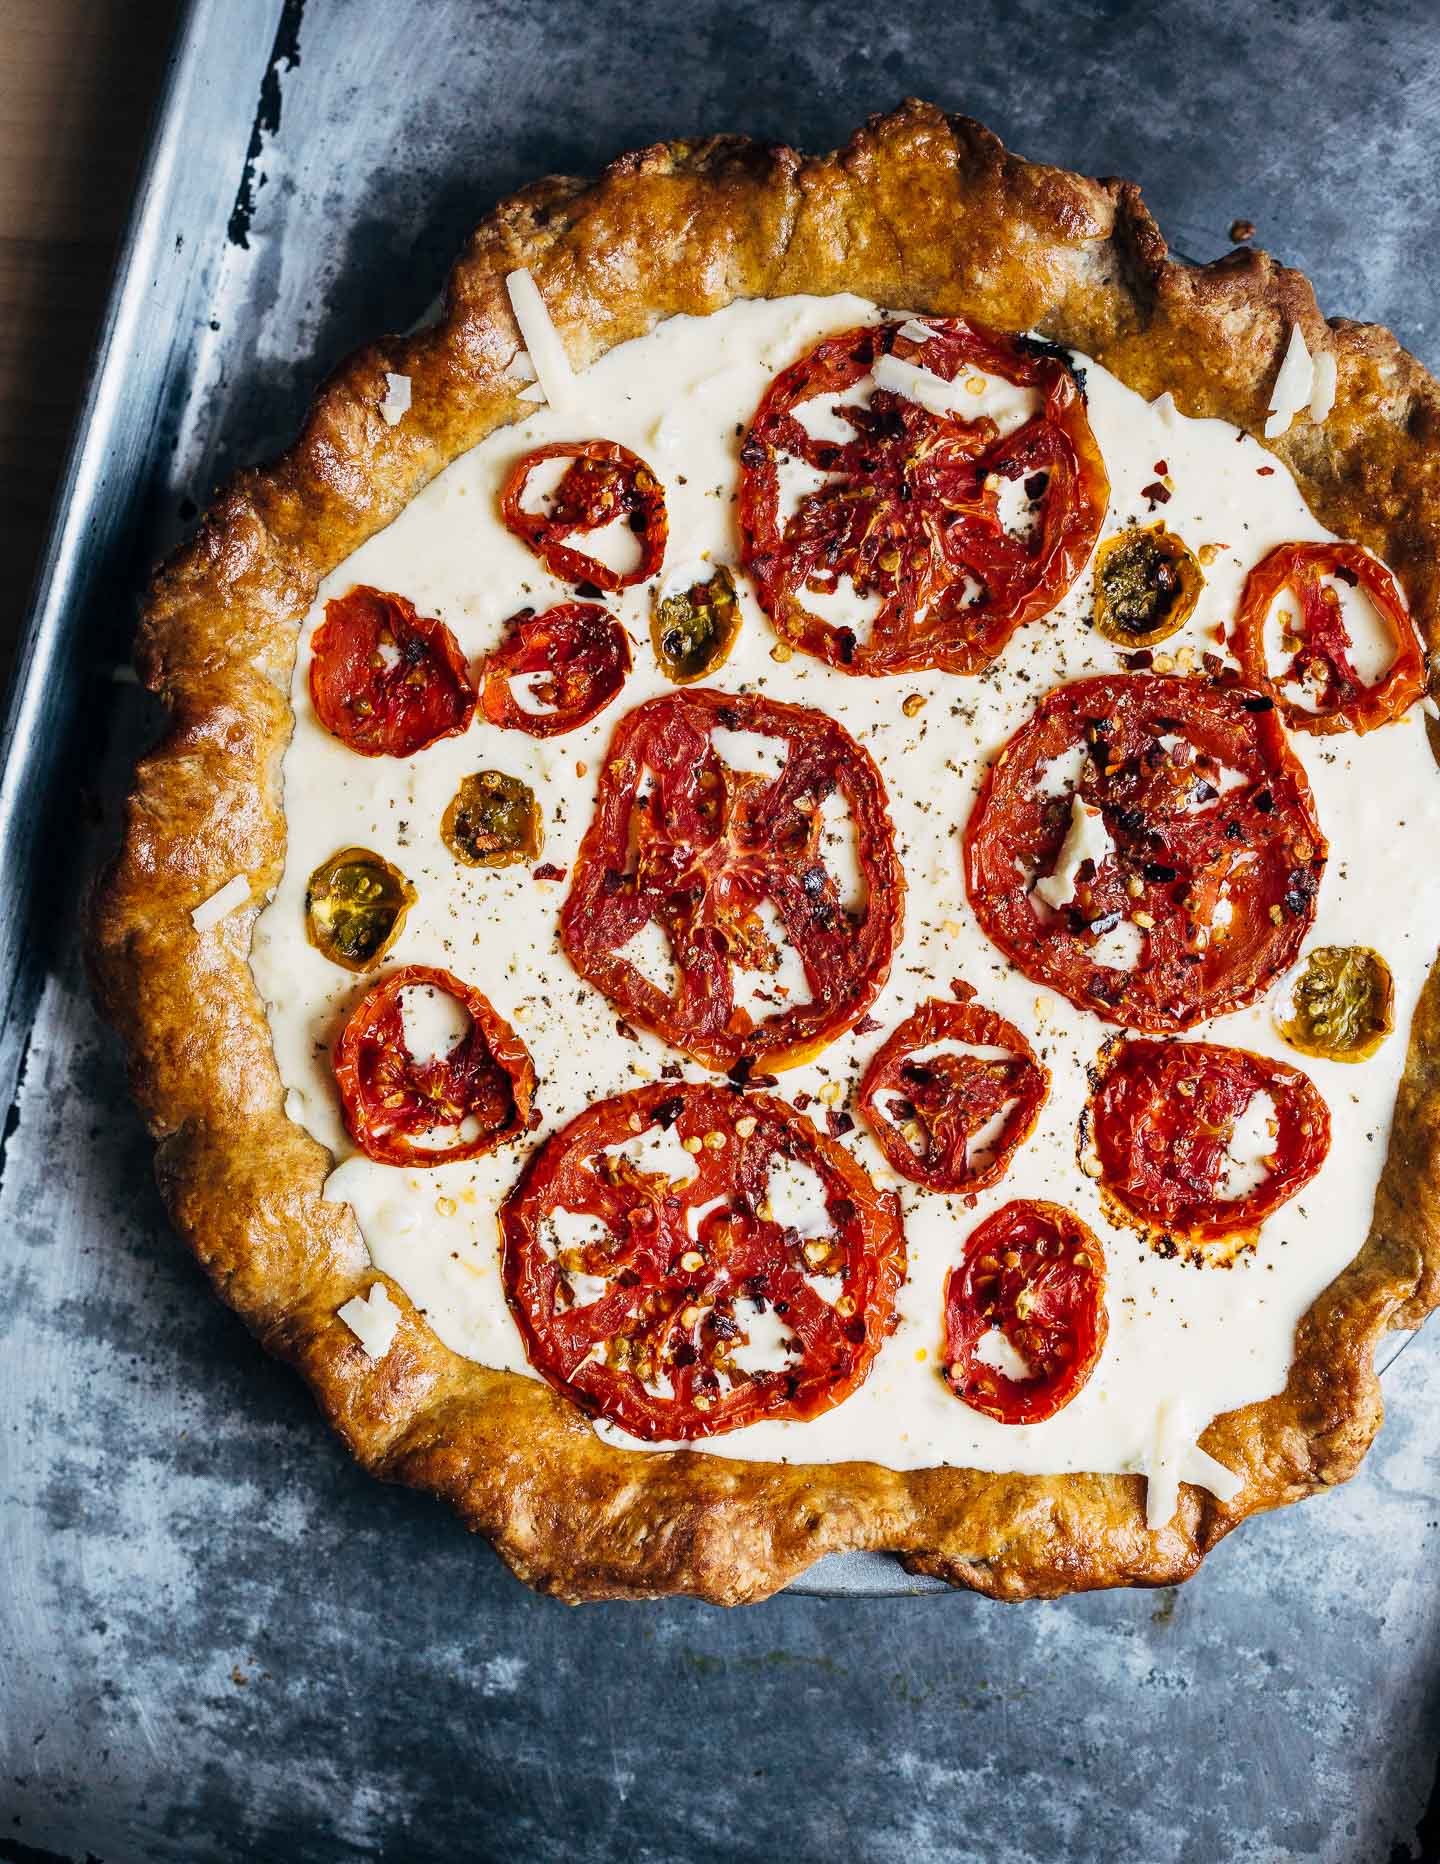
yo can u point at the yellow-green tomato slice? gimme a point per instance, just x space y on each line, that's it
694 629
355 905
1147 582
1340 1004
493 821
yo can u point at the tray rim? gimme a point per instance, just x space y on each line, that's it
39 715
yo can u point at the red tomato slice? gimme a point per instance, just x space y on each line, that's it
486 1082
1164 1117
385 680
693 1274
582 655
607 481
912 512
1211 848
926 1111
1320 660
710 847
1035 1272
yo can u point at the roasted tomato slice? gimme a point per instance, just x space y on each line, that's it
1204 1141
355 906
1340 1005
605 482
577 656
479 1091
1147 582
729 865
493 820
952 1093
683 1260
1034 1273
1315 643
692 630
1167 806
385 680
911 515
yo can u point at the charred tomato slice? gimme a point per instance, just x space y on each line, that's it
576 655
1316 643
909 513
1170 805
385 680
729 864
481 1090
952 1093
1165 1118
603 483
1034 1273
658 1275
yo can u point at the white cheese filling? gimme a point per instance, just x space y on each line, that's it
1160 1378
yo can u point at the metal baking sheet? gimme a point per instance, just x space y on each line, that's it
217 1639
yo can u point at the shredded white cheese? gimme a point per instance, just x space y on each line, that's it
914 331
1176 1457
1087 839
1293 388
971 395
209 913
554 378
397 399
373 1318
1200 1469
1322 397
921 386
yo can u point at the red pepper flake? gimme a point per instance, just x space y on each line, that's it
865 1025
1161 468
1157 494
547 870
801 1100
839 1124
1264 471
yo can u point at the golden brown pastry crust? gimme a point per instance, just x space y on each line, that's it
918 210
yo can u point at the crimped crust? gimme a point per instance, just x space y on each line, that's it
918 210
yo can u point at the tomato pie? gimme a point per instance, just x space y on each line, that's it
789 905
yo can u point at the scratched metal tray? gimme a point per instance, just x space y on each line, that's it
175 1680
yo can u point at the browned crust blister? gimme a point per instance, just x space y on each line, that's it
921 211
